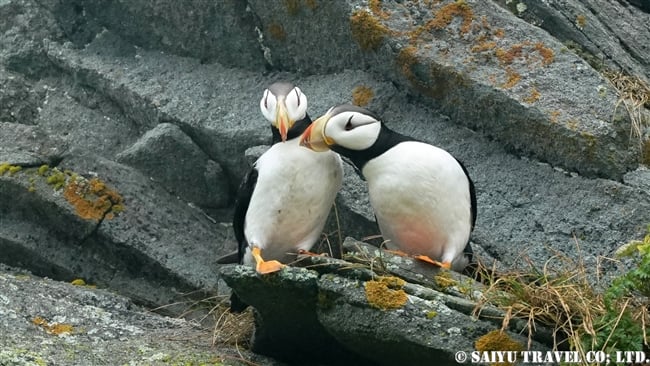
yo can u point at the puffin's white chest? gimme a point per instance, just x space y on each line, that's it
421 197
295 190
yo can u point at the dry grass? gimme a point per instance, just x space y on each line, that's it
560 298
634 94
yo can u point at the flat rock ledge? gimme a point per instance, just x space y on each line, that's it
342 312
47 322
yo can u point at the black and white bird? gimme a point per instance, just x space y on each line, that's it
423 197
283 203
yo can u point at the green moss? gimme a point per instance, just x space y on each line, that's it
14 169
431 314
43 170
56 179
498 340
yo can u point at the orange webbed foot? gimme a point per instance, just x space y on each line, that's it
265 267
424 258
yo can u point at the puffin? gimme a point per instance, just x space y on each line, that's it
282 203
423 197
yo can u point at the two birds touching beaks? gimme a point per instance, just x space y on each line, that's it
423 198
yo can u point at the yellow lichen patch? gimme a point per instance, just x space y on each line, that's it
375 8
581 21
392 281
547 54
362 95
445 15
554 116
82 283
14 169
367 30
4 167
431 314
56 179
512 78
381 296
533 97
497 340
91 199
444 280
43 169
276 30
56 328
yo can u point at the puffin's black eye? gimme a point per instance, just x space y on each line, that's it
348 126
266 98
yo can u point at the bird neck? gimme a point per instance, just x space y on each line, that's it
295 131
387 139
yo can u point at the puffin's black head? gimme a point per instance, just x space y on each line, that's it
351 131
283 104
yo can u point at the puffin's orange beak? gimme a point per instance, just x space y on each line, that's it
314 136
282 120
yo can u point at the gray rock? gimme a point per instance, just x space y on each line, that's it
339 302
105 329
608 34
27 145
172 159
223 31
149 251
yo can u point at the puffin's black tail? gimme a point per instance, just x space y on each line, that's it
236 304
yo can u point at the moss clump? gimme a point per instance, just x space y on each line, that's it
56 328
367 31
431 314
43 169
484 46
361 95
91 199
276 30
381 296
444 280
497 340
12 169
56 179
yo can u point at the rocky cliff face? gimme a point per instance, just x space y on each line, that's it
127 126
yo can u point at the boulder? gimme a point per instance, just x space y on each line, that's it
170 157
340 305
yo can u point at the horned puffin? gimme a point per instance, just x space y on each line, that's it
423 197
282 204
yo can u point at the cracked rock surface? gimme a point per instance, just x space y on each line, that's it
125 128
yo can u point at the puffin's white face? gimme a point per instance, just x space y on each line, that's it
283 104
349 128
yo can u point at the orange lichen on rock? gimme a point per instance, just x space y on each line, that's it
276 30
512 78
367 30
497 340
484 46
508 56
381 296
533 97
547 54
56 329
375 8
91 199
362 95
447 13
